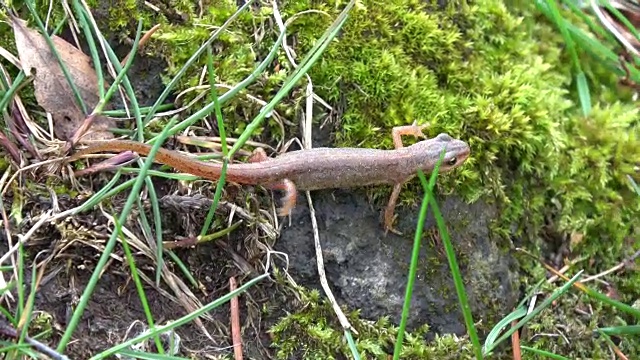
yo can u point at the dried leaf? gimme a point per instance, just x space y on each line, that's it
51 87
112 163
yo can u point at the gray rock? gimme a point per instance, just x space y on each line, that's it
368 270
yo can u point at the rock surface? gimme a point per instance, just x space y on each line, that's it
367 270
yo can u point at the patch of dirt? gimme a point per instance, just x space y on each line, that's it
115 306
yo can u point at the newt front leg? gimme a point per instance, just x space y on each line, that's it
396 133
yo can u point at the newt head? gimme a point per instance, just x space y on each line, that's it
456 153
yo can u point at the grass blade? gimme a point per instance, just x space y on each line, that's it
413 265
547 354
546 303
622 330
457 278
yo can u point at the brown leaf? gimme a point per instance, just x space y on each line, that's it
112 163
51 87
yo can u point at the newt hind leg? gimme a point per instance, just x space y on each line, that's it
290 196
286 185
389 211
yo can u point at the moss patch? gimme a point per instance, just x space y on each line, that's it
309 334
470 71
501 83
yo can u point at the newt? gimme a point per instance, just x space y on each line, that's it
317 168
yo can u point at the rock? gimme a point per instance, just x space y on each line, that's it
367 270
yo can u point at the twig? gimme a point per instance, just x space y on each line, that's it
8 331
515 341
142 42
613 29
621 265
235 321
321 273
287 49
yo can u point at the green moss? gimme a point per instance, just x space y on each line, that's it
456 69
4 163
477 73
118 18
42 324
309 332
61 189
595 193
236 53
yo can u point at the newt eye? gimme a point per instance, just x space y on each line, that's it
452 161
